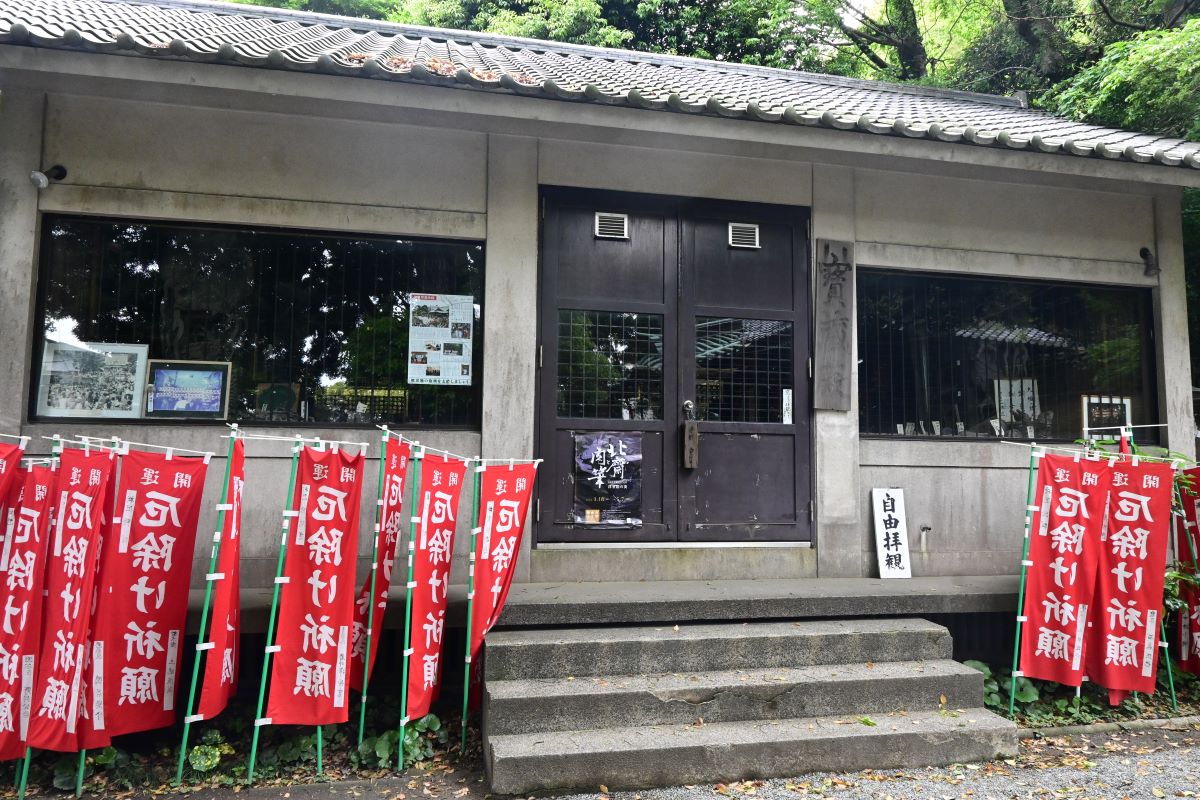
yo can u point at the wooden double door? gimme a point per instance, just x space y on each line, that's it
674 363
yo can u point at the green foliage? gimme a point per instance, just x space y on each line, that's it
204 757
1151 82
421 740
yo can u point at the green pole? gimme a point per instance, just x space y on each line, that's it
1162 632
79 773
206 608
24 773
470 601
1029 508
379 521
320 752
283 542
408 593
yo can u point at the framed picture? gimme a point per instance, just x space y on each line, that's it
1017 400
92 379
1104 414
187 389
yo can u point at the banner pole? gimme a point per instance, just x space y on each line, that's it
320 752
478 471
379 522
1032 486
1162 633
417 457
23 772
79 769
205 609
283 542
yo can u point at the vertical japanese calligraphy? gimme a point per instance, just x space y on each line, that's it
221 663
82 489
309 680
396 455
1123 652
1063 552
22 570
438 495
141 606
504 498
891 533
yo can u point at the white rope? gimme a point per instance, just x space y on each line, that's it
169 448
1105 454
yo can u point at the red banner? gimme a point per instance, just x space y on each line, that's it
12 479
1124 636
504 498
84 493
22 572
396 454
309 674
1187 545
1060 575
441 485
141 605
221 662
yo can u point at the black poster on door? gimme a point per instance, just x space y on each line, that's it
608 478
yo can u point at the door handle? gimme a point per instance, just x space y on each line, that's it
691 436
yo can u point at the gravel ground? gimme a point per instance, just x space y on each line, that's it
1114 766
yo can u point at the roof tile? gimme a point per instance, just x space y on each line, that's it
273 38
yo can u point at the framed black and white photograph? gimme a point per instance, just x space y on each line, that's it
187 389
92 379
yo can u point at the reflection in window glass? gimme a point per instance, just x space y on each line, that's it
610 365
943 356
743 370
312 327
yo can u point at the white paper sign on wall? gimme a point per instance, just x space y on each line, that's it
891 533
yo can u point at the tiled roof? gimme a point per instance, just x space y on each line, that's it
273 38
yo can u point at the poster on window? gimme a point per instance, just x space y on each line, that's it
608 478
92 379
221 663
1064 545
84 491
396 454
437 512
142 595
1123 651
439 339
22 572
309 681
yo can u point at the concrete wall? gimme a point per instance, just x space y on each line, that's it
205 162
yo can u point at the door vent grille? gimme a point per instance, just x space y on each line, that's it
743 235
612 226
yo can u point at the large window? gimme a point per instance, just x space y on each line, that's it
147 320
958 357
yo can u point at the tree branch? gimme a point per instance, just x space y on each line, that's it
1112 18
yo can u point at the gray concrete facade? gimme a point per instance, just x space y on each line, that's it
224 144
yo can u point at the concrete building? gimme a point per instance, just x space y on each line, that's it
840 284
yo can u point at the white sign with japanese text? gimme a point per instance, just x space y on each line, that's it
891 533
440 335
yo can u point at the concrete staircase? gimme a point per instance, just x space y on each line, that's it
630 708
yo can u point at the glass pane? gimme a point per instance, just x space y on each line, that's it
743 370
610 365
947 356
308 327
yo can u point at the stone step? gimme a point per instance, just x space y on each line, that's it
641 757
561 653
562 704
